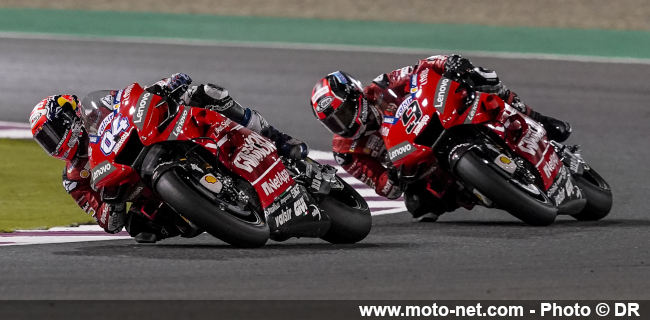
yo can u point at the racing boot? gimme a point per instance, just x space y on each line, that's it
217 98
556 130
422 204
144 230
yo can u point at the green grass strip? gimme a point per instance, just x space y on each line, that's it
448 37
31 190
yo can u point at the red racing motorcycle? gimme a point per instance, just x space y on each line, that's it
472 148
217 175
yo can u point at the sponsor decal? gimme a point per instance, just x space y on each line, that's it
210 179
389 120
315 184
135 193
400 151
315 211
354 145
276 182
472 112
118 98
93 139
387 187
402 107
127 91
441 93
69 185
340 77
324 104
253 151
76 131
424 77
105 122
414 83
384 131
404 71
142 107
222 126
319 93
295 191
107 101
421 125
300 207
551 164
283 217
101 171
84 174
37 114
179 125
530 142
505 163
119 144
272 208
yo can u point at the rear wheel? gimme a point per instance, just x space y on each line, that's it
349 215
534 210
598 194
246 229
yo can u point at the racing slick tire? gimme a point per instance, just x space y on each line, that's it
179 193
598 194
349 215
504 194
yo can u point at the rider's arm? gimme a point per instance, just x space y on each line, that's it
366 169
76 181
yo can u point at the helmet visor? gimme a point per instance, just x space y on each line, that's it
343 121
52 134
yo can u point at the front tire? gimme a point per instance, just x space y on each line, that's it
349 216
507 196
180 194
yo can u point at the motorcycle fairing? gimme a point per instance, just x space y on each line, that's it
241 150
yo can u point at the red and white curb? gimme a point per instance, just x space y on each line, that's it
59 235
378 205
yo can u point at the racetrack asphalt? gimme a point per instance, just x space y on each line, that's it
466 255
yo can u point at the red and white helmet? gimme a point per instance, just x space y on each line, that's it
56 125
338 102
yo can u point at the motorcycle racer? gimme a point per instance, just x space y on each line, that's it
354 114
56 126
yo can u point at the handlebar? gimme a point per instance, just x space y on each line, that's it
173 106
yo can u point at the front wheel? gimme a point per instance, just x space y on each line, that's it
598 195
181 194
506 195
349 215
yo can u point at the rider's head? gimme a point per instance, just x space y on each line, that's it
56 125
339 104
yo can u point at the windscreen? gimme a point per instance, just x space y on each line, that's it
95 107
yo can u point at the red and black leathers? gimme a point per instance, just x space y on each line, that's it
365 158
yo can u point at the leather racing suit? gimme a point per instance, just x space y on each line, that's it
76 175
366 158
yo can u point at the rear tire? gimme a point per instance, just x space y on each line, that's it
506 195
349 216
178 193
598 194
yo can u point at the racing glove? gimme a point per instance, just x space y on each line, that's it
457 66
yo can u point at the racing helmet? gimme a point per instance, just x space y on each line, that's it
338 102
56 125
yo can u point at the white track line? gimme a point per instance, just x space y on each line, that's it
322 47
